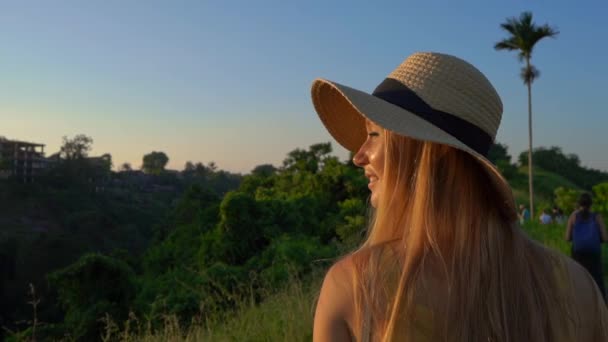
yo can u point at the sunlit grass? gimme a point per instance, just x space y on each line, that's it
285 315
552 236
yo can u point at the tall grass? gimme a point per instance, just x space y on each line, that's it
552 236
285 315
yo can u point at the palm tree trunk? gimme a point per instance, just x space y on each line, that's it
530 168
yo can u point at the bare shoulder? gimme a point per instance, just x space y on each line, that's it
340 275
335 314
340 280
335 307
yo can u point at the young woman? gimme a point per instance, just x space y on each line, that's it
587 231
444 259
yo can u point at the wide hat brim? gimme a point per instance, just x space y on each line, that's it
343 110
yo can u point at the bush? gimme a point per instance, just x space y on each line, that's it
566 199
600 202
90 288
290 256
352 228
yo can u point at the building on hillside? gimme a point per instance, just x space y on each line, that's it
20 159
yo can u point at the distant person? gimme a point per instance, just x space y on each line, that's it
545 218
524 214
557 215
561 216
587 231
443 259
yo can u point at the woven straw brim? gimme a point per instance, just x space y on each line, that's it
343 111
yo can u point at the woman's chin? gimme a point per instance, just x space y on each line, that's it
374 200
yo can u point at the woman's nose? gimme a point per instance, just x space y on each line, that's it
360 158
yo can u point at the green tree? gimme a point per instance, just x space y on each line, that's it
566 199
307 160
76 148
499 152
554 160
125 167
523 34
155 162
264 170
291 255
352 230
239 227
500 156
74 168
90 288
189 167
600 201
194 206
202 171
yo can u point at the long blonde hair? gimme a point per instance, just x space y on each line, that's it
455 249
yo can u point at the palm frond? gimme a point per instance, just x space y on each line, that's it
525 19
523 35
506 44
510 26
548 31
544 31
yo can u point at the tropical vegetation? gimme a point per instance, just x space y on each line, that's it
201 252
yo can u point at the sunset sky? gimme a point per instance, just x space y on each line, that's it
229 81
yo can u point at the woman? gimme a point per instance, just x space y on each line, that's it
444 259
587 231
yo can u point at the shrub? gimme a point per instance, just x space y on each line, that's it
90 288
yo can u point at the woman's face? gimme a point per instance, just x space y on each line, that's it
371 158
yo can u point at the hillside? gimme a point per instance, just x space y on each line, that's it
545 183
44 229
200 249
48 225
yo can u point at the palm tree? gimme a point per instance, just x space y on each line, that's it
523 35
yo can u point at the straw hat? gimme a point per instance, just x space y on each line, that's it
430 96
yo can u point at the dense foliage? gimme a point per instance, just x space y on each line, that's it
569 166
81 206
192 245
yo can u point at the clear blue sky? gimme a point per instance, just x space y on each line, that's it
229 81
